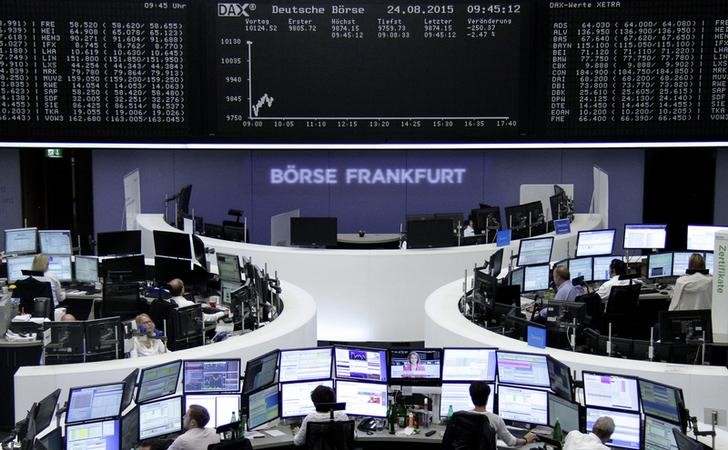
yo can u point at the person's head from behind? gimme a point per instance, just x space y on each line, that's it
176 287
696 262
617 267
479 393
40 263
322 395
196 417
413 358
561 274
155 444
603 428
68 318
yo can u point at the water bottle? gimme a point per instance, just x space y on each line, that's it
450 412
558 435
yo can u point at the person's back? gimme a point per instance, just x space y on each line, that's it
695 289
467 430
601 433
197 437
320 396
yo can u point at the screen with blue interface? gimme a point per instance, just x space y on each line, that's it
87 269
565 411
660 400
93 436
94 402
658 434
223 408
296 397
523 405
468 364
601 268
535 251
581 267
305 364
363 399
643 235
659 265
626 427
361 364
536 278
60 266
16 264
55 242
680 263
523 368
212 376
457 395
160 417
21 240
595 243
702 237
158 381
263 406
611 391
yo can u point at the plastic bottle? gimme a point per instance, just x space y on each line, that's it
392 418
450 412
426 419
402 416
558 435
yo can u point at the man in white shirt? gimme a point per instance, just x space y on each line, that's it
695 289
320 395
197 437
40 264
601 433
479 393
177 289
617 268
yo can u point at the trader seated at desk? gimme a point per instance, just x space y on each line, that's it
565 290
40 264
695 289
177 289
319 396
197 437
617 268
596 440
148 343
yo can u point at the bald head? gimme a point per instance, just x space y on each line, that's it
561 274
68 318
176 287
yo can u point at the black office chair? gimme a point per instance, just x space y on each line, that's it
160 312
469 431
330 435
594 309
621 310
233 444
28 290
122 299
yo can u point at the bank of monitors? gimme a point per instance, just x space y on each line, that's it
365 364
600 266
660 400
314 231
595 242
415 366
535 251
469 364
581 267
644 236
526 369
296 397
536 278
94 402
16 265
223 408
627 427
260 372
60 267
305 364
228 267
560 379
457 395
565 411
158 381
658 434
520 404
659 265
95 435
362 399
603 390
21 240
702 237
160 417
263 406
119 243
86 269
211 376
172 244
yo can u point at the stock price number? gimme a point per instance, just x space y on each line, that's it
493 9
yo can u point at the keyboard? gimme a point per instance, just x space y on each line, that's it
648 291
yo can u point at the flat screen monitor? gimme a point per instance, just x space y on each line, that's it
659 265
535 251
709 261
222 408
595 242
160 417
560 377
226 291
263 406
519 404
45 410
516 277
16 265
130 429
55 241
565 411
158 381
22 240
261 371
685 326
457 395
525 220
60 266
211 376
685 442
296 397
305 364
94 402
658 434
627 427
468 364
601 267
363 399
119 243
680 262
314 231
611 391
125 268
525 369
644 236
51 441
103 336
87 269
92 436
228 267
702 237
415 366
432 233
660 400
167 269
366 364
172 244
487 221
536 278
582 267
495 264
129 385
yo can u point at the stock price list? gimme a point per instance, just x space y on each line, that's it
367 70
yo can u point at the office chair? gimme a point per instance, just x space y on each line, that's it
160 312
28 290
233 444
594 309
122 299
330 435
621 309
468 431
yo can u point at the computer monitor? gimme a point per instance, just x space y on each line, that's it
582 267
536 335
516 277
484 287
94 402
658 434
87 269
66 344
520 404
600 266
611 391
487 221
158 381
45 410
536 278
55 242
95 435
368 364
129 386
362 399
560 208
659 265
468 364
167 269
644 236
211 376
457 395
160 417
565 411
119 243
172 244
432 233
130 429
415 366
125 268
526 369
261 372
680 262
51 441
314 231
222 408
627 427
702 237
16 264
685 442
263 406
305 364
685 326
495 263
525 220
709 261
595 242
104 336
560 377
296 397
60 267
21 240
660 400
536 251
228 267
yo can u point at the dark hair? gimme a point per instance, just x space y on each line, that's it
322 394
479 393
618 267
199 414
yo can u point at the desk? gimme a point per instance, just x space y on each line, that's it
368 241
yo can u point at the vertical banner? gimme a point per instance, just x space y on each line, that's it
720 292
132 199
600 195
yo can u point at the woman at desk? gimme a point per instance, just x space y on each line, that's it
40 264
147 343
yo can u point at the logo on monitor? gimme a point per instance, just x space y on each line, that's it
234 9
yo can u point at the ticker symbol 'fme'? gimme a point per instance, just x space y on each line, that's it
234 9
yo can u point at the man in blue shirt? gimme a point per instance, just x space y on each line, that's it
565 291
